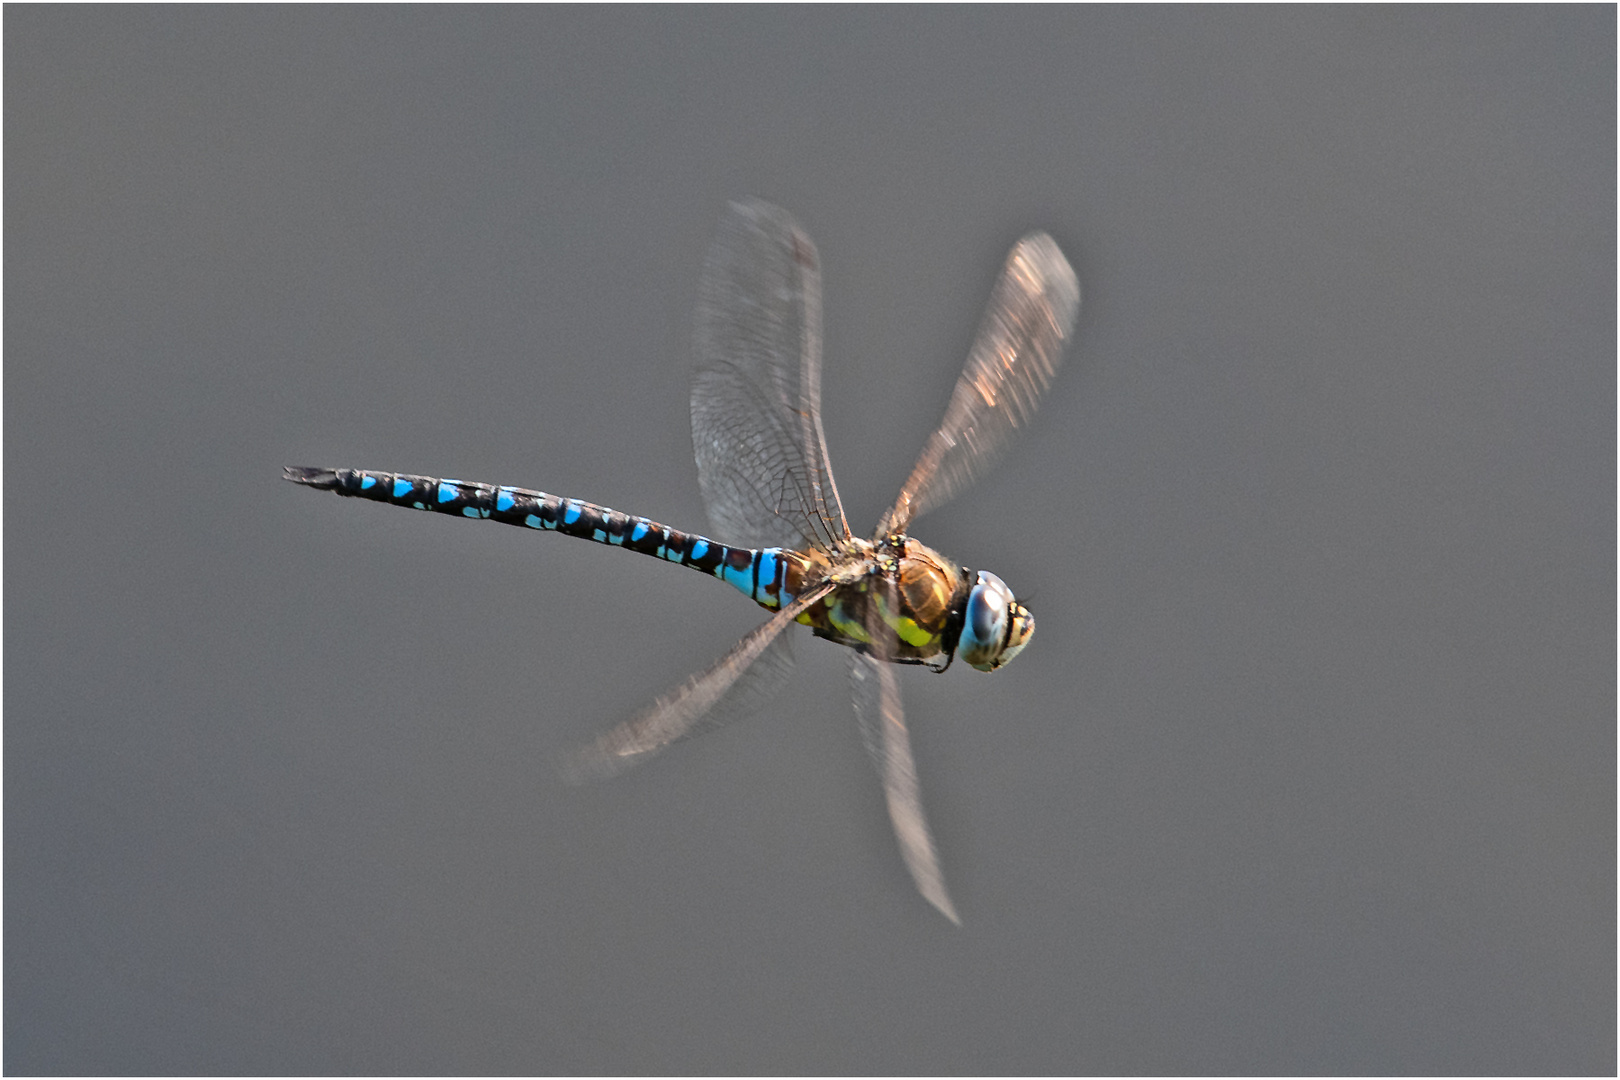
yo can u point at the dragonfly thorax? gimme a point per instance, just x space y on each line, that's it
904 601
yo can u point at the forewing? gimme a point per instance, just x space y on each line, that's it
733 687
756 387
1019 346
882 721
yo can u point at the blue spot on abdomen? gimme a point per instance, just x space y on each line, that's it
741 579
767 566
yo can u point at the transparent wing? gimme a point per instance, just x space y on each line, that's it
1019 346
756 389
733 687
883 729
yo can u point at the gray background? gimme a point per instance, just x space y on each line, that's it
1310 767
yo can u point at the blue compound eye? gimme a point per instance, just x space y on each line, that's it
995 626
986 616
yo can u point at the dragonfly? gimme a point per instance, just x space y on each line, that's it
777 530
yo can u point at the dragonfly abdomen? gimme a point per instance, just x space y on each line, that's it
757 572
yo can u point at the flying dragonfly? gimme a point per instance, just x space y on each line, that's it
777 530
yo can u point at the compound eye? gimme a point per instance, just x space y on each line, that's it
1018 634
990 606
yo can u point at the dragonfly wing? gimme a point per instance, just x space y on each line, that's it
733 687
756 388
1017 351
883 729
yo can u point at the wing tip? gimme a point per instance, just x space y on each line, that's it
595 762
943 905
1046 260
753 206
754 218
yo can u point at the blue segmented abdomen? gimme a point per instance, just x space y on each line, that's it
756 572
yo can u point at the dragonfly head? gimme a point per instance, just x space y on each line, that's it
995 626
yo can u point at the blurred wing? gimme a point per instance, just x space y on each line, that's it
756 390
1020 344
735 686
883 729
